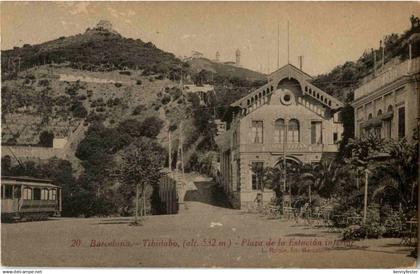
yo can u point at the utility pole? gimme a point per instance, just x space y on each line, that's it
278 45
285 167
288 42
136 218
181 148
170 150
365 196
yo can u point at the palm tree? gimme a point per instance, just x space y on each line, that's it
320 177
399 172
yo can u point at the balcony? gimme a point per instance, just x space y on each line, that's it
290 148
405 68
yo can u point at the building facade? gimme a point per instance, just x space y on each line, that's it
286 120
387 103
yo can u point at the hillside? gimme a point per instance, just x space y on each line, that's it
224 70
343 79
98 49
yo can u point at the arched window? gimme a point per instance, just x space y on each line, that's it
279 130
390 108
264 92
293 131
272 88
379 112
370 116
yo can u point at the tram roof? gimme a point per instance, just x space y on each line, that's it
24 180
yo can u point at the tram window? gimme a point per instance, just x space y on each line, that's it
37 194
50 194
54 194
8 192
44 194
27 194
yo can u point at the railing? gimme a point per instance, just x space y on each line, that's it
405 68
290 147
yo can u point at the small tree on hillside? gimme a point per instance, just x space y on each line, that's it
46 139
141 167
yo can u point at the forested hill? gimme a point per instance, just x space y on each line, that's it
98 49
343 79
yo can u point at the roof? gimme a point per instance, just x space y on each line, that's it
290 71
25 180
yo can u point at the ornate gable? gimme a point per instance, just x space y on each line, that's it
262 95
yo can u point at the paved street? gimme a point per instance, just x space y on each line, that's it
205 233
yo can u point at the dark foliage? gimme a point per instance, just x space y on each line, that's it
46 139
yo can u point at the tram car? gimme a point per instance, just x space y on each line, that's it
27 199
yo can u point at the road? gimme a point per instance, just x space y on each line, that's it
204 234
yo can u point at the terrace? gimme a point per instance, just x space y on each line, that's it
387 76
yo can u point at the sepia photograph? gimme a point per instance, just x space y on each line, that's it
209 134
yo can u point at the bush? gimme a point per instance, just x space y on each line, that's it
166 99
151 127
394 224
44 82
78 110
175 93
368 230
46 139
139 109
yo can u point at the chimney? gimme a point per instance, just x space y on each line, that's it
374 61
300 62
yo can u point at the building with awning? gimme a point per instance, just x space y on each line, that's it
387 102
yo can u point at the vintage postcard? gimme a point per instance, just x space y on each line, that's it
210 134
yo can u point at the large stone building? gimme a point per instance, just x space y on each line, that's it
288 117
387 103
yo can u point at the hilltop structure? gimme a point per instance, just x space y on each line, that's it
238 57
286 122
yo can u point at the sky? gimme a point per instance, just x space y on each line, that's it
326 34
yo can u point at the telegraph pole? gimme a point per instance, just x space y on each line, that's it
181 148
278 45
170 150
288 42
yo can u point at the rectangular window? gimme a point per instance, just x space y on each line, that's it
8 192
316 132
54 195
27 194
37 194
388 128
335 137
257 175
401 122
257 132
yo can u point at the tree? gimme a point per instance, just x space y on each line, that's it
46 139
142 163
399 173
151 127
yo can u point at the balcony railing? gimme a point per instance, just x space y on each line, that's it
290 148
405 68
